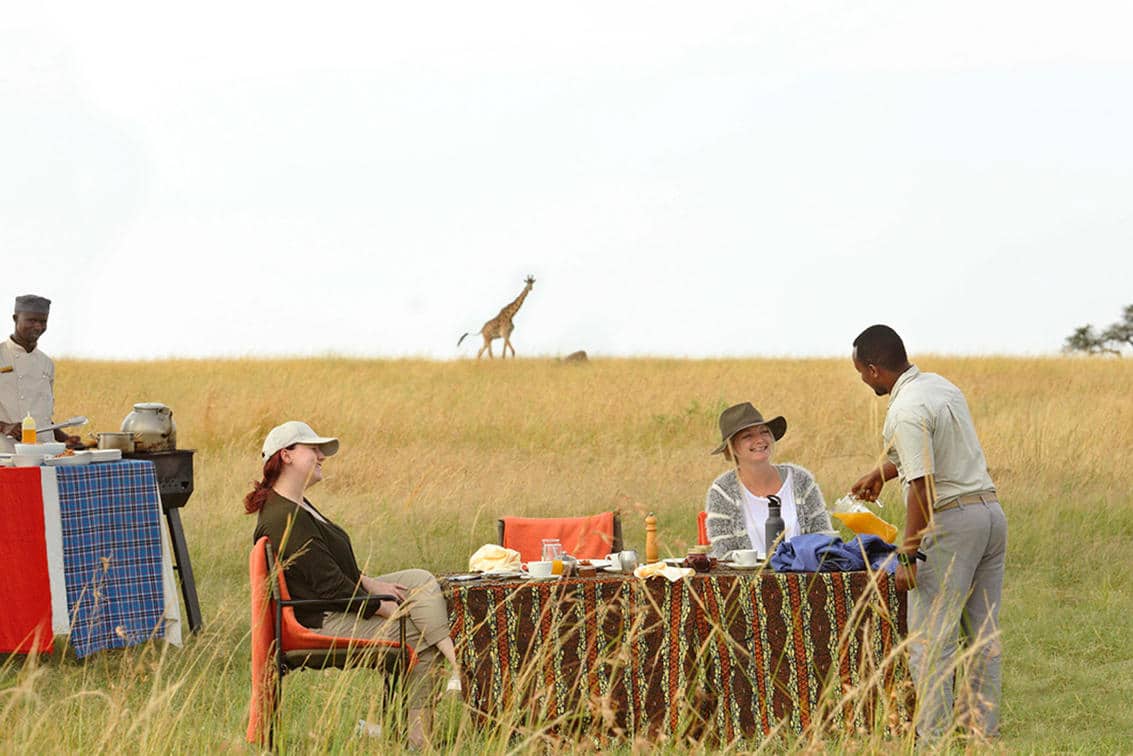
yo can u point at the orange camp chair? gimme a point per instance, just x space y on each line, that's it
582 537
702 529
280 644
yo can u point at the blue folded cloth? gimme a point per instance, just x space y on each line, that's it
818 552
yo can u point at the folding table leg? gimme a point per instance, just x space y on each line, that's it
184 568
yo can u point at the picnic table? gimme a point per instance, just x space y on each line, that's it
730 653
83 554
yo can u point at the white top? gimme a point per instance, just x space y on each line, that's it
929 432
755 513
27 384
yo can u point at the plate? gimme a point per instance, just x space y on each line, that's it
104 455
497 574
613 569
735 566
74 459
526 576
674 561
599 563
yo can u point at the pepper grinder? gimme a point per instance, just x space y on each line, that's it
651 555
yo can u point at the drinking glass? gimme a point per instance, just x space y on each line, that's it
553 553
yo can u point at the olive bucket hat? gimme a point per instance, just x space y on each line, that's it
740 416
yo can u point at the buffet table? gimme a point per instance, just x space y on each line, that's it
83 553
729 654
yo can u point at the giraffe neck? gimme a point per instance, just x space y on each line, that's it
513 308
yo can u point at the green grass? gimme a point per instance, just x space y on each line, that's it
433 452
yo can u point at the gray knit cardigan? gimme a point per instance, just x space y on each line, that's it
727 530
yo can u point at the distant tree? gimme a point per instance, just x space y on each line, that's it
1121 333
1110 341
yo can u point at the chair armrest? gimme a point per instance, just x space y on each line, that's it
340 603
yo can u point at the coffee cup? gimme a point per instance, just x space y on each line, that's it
745 557
539 569
625 561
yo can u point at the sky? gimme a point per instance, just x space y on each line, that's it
727 179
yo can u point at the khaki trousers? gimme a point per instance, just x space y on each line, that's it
428 624
959 587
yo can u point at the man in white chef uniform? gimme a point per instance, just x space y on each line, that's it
27 376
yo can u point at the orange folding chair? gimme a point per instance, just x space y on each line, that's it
582 537
281 645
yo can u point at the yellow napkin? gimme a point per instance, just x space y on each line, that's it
662 569
492 557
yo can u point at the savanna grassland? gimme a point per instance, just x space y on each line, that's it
433 452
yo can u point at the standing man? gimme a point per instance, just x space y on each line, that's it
27 375
951 560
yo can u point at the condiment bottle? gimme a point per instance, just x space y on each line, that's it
27 430
651 555
773 528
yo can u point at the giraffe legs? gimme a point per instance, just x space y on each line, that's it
507 343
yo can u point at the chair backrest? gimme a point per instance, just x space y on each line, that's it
702 529
263 645
583 537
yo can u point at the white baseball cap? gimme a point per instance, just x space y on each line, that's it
295 432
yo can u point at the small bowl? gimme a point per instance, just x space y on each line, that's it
27 460
47 448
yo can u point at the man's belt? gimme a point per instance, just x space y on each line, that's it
983 497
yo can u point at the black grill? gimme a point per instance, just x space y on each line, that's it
174 475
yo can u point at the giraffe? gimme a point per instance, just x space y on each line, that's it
500 327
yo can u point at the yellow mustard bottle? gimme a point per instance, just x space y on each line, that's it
27 432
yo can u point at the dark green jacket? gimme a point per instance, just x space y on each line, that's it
318 556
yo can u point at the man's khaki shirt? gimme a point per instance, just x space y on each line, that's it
929 432
27 384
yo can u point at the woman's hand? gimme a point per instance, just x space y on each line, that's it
869 485
380 587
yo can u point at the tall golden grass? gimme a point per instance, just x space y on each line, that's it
433 452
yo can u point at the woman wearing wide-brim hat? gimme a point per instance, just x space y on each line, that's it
737 500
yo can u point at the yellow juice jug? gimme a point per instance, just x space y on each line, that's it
27 431
868 522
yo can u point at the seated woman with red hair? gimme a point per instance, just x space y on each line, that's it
319 563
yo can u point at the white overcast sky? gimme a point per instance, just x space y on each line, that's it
374 179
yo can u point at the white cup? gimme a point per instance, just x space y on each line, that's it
539 569
745 557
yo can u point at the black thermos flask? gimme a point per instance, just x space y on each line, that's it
773 528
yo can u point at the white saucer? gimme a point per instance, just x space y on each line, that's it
526 576
612 569
734 566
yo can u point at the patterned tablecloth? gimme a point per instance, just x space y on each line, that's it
731 654
102 549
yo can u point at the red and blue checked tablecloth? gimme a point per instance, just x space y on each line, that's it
97 540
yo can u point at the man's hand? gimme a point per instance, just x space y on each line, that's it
869 485
11 430
906 577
